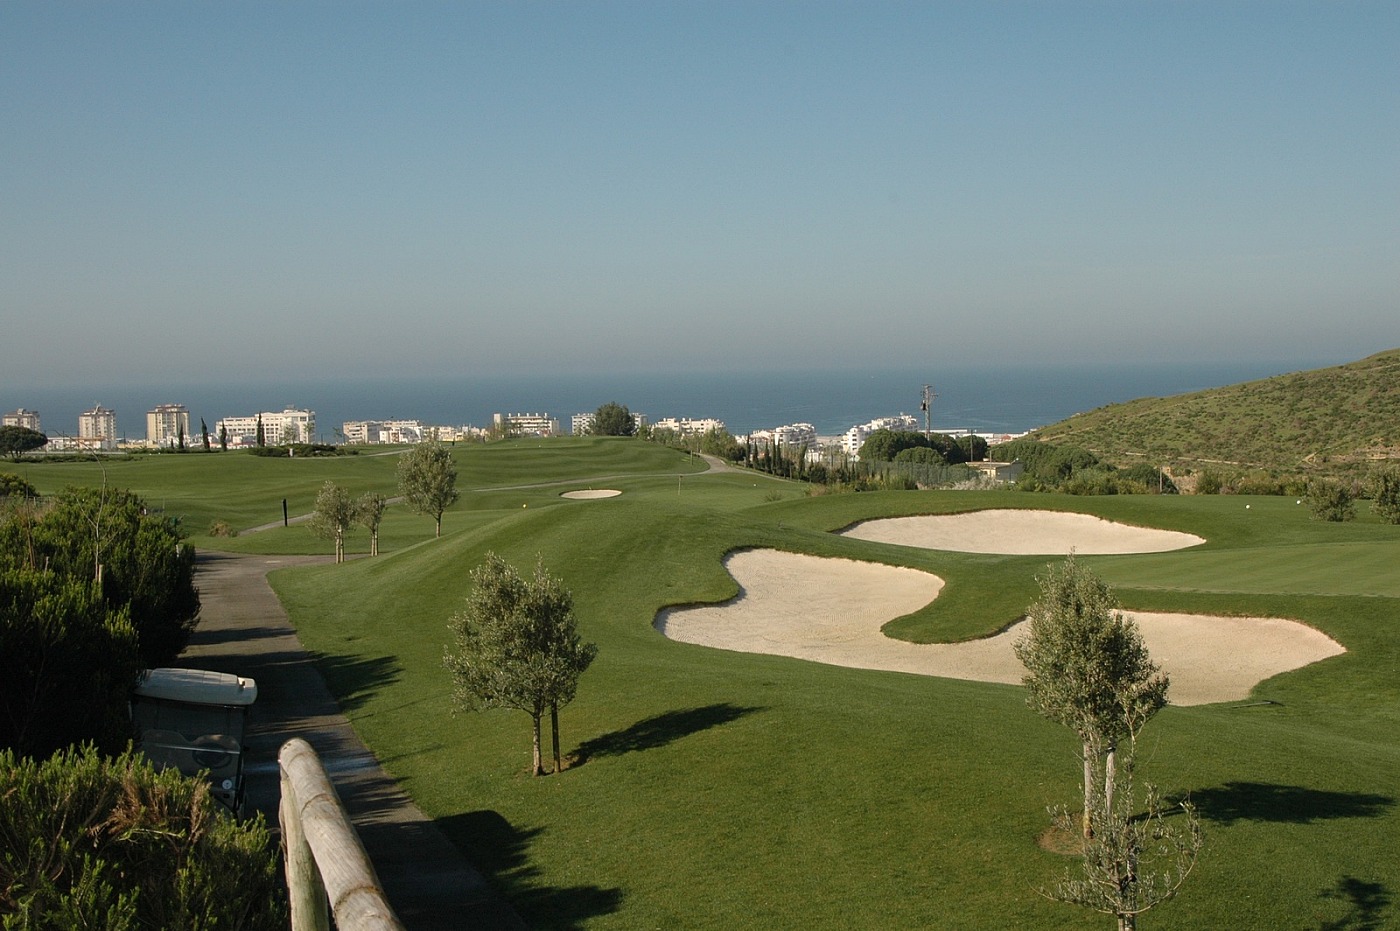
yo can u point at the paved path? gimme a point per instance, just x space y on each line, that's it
243 629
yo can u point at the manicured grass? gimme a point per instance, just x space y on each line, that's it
714 789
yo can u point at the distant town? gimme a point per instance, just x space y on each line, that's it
168 427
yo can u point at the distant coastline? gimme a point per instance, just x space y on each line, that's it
1008 400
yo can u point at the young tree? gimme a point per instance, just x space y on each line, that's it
1087 668
335 513
1385 491
1135 860
369 512
613 419
516 645
204 434
428 481
223 437
261 437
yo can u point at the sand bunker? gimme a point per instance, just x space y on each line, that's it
831 611
589 494
1016 532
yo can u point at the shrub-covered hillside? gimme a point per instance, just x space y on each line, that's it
1319 419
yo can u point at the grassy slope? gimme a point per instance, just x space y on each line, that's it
722 790
1319 418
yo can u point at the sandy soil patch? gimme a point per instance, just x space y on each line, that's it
831 611
1017 532
589 494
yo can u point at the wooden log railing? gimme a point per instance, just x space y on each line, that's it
326 863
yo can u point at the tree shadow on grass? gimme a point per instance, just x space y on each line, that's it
501 851
660 730
354 680
1267 801
1367 904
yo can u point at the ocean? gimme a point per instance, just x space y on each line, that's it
984 400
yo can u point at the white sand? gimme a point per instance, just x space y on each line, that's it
1015 532
589 494
831 611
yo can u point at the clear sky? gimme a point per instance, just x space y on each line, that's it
219 189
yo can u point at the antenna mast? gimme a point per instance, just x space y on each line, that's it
925 406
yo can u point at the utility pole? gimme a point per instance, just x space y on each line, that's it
925 406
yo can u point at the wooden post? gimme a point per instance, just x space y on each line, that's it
341 867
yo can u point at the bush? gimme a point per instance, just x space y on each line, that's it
12 486
94 842
222 528
1385 492
1330 500
68 663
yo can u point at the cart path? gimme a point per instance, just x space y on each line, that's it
243 629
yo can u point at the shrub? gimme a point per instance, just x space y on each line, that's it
1209 483
12 486
94 842
222 528
1331 500
1385 492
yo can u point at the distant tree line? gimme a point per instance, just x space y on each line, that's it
1077 471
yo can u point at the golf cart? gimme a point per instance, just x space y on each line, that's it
193 720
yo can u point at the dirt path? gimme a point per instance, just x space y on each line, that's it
243 629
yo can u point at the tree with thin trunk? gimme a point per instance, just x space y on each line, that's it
428 481
335 514
368 514
204 434
516 645
261 435
1088 669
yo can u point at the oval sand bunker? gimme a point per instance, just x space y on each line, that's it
842 604
589 494
1016 532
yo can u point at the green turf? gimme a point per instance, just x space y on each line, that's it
722 790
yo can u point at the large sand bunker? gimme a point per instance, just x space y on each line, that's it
590 494
831 611
1016 532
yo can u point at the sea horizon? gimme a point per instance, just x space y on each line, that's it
1010 399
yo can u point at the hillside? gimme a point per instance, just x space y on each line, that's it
1322 419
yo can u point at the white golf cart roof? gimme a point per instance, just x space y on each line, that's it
197 687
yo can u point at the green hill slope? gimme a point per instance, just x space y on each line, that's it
1315 420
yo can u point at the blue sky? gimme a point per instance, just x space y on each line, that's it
231 190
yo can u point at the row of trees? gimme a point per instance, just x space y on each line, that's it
887 445
427 481
1077 471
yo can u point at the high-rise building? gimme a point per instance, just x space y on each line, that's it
98 427
167 424
22 418
279 428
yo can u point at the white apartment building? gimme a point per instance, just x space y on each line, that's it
854 438
97 428
686 426
526 424
279 427
22 418
166 424
375 432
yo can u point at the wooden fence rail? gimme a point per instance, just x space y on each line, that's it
326 863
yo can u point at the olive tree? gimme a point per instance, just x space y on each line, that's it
334 515
428 481
516 645
369 513
1088 669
